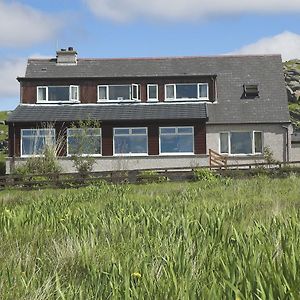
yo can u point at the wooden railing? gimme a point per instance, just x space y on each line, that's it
63 180
216 159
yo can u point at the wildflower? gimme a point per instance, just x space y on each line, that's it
136 275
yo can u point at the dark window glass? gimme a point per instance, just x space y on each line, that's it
241 142
58 93
119 92
186 91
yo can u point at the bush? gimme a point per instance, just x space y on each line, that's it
205 175
2 167
40 164
83 164
151 176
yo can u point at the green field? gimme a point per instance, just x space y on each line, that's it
220 240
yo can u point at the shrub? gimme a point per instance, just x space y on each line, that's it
40 164
2 167
205 175
83 164
269 155
151 176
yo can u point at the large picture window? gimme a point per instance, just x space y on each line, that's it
176 140
130 141
186 91
57 93
118 92
35 141
241 142
84 141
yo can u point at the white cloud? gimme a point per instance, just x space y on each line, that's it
10 69
21 25
124 10
286 43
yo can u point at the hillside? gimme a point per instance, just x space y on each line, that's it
292 78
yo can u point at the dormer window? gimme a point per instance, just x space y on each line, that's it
186 91
251 90
116 93
58 93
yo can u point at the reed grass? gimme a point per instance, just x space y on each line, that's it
221 240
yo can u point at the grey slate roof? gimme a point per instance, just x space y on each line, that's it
232 72
122 112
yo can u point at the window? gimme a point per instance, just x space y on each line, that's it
58 93
35 141
85 141
184 91
131 141
251 90
152 92
241 142
176 140
118 92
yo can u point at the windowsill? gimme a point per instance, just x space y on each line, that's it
152 100
187 100
130 154
177 153
118 101
84 155
58 102
32 155
242 155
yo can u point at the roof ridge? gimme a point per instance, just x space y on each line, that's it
164 57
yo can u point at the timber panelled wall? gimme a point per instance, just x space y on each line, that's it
88 87
107 135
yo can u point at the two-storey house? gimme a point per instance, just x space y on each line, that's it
154 112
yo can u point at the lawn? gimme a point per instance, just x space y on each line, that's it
225 239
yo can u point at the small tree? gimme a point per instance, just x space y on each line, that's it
86 142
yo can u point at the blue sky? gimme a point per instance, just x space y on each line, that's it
141 28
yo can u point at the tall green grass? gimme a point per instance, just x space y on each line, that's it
221 240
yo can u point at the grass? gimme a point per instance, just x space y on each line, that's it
222 240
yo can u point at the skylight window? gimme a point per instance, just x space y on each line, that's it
251 90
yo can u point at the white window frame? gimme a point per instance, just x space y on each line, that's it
58 101
148 93
131 96
187 99
176 133
130 134
84 154
35 129
252 143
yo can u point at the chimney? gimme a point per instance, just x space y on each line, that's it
66 56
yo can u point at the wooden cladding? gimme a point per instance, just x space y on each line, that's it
107 135
88 87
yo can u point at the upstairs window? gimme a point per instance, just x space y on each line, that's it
152 92
251 90
241 142
58 93
127 92
186 91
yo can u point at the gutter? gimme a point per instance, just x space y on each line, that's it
287 143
